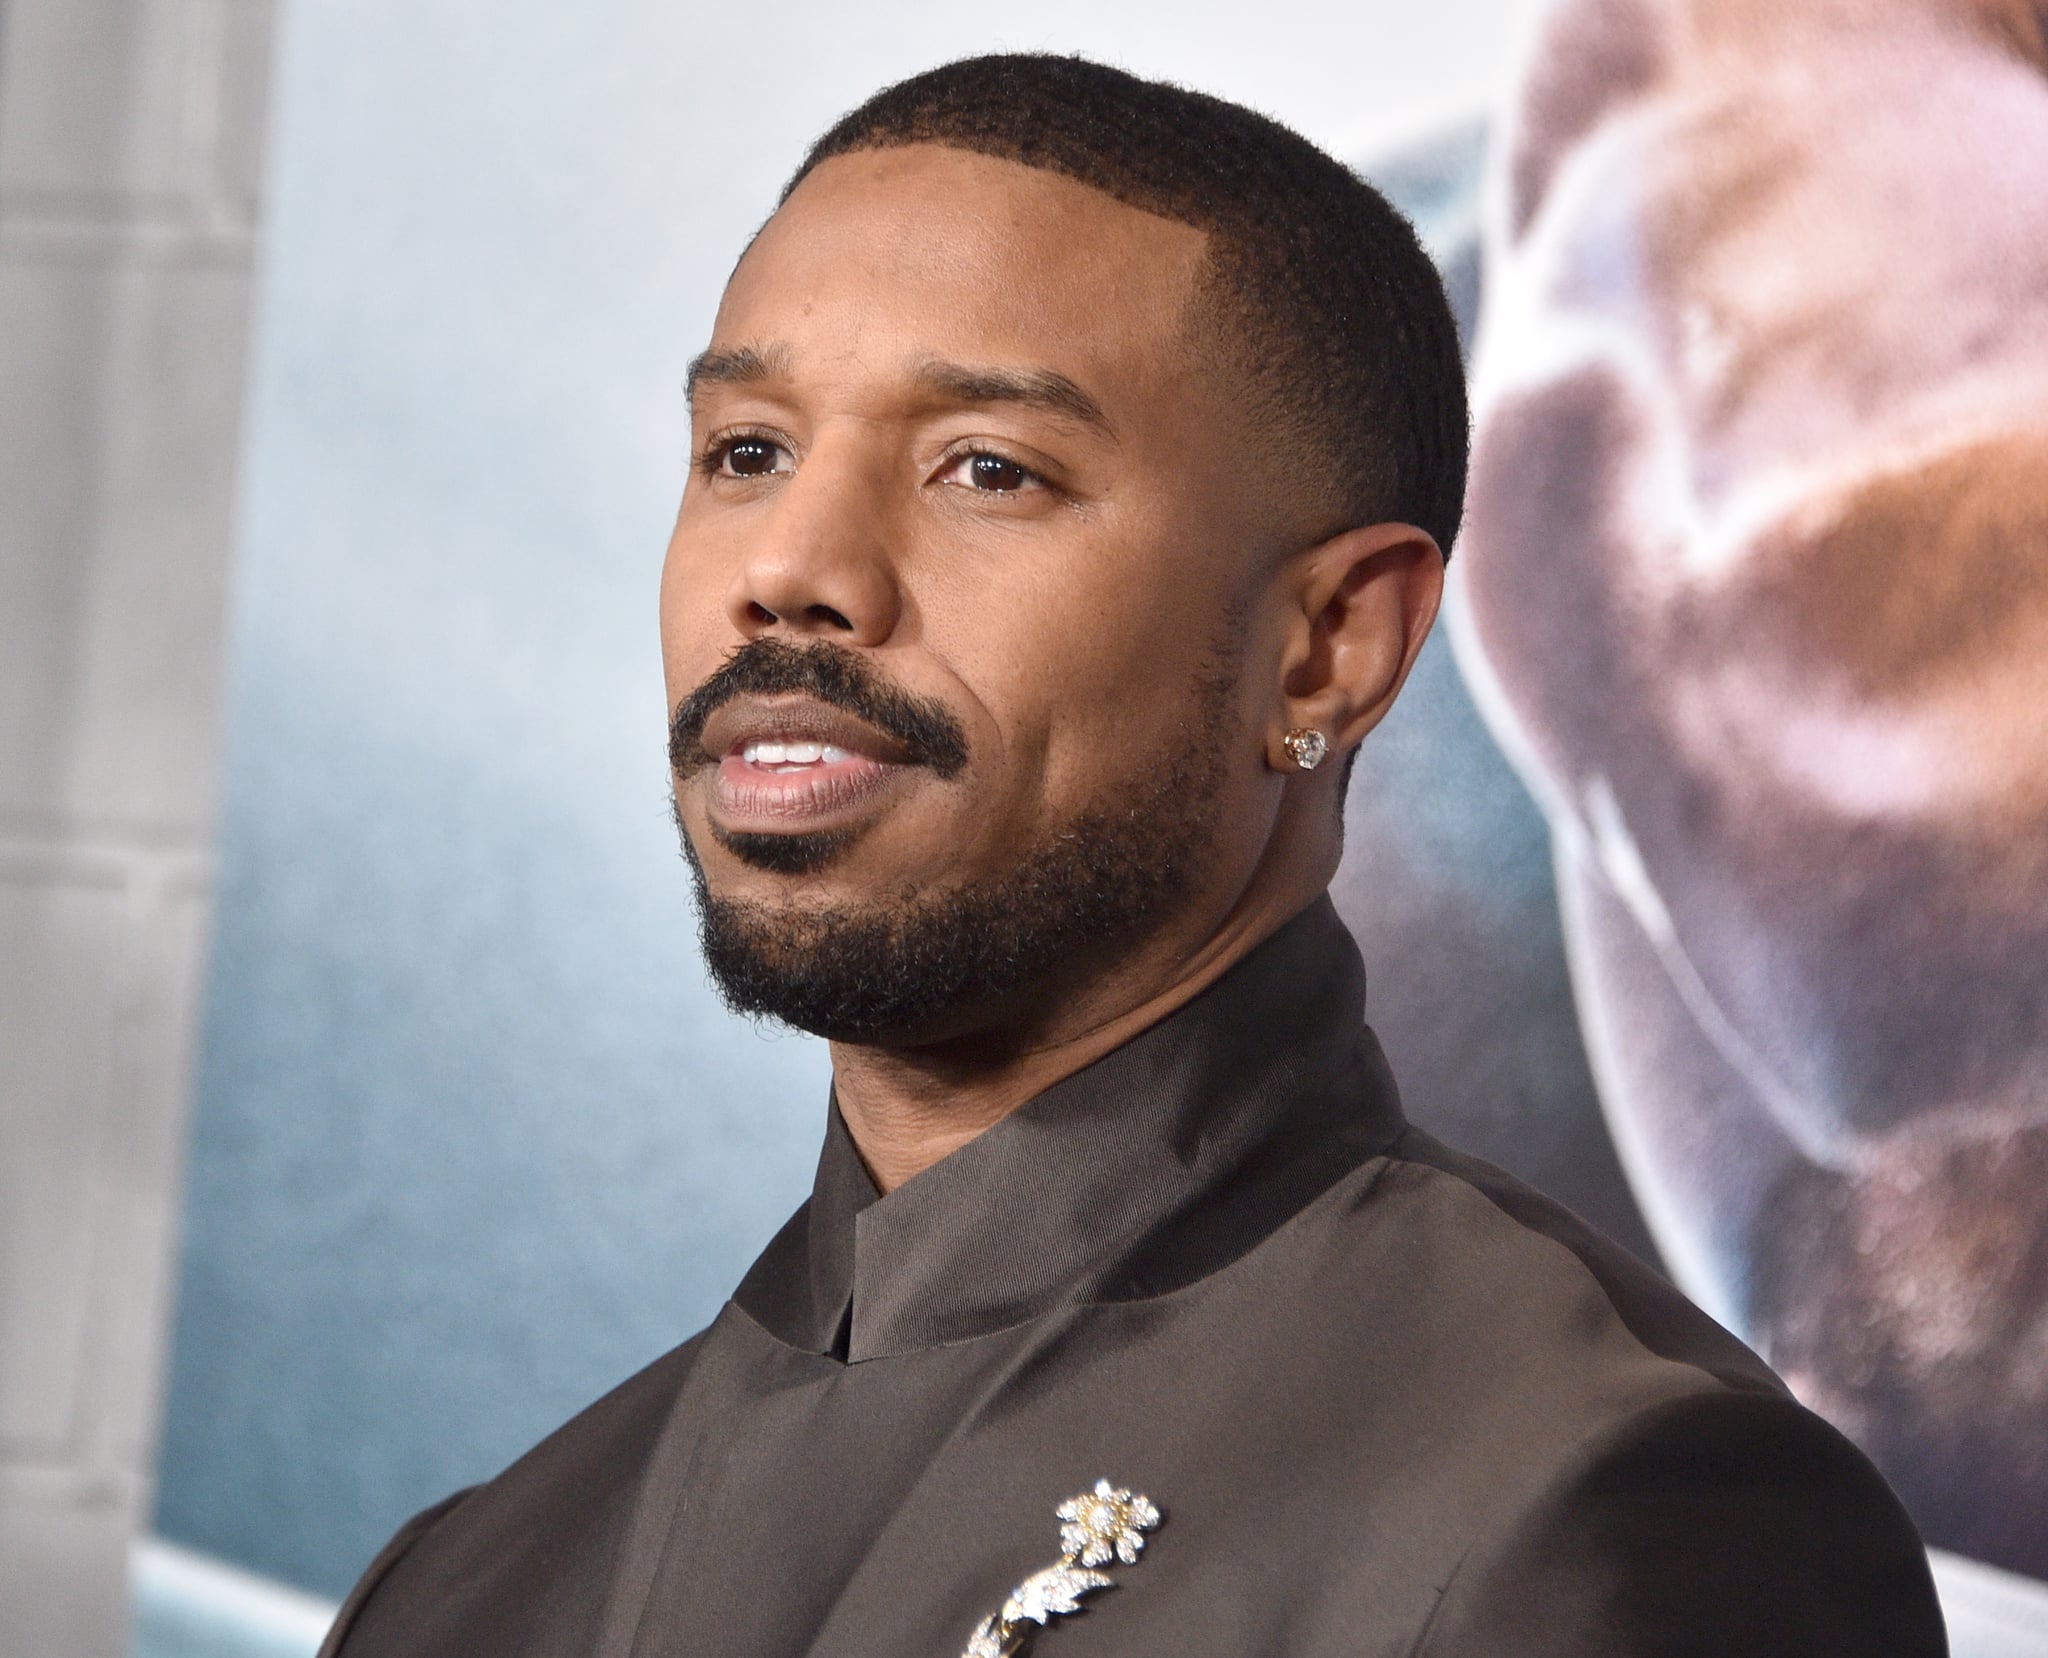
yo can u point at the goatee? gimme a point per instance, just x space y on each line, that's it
902 969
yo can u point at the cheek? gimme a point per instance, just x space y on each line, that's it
674 615
1089 678
691 603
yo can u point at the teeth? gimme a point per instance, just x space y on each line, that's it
766 753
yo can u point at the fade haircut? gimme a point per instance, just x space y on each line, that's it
1323 297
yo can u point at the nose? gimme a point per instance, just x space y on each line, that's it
818 560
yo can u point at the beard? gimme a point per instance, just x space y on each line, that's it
902 967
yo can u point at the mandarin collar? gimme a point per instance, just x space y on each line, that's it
1163 1161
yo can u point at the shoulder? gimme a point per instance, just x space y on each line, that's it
568 1496
1628 1477
392 1552
1723 1521
1486 1236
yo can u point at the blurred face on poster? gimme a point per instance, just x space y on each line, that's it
1756 589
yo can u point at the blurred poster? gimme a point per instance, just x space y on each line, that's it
1753 593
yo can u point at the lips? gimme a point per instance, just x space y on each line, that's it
789 764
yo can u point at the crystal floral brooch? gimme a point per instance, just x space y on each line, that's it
1098 1528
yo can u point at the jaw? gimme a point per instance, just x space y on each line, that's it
948 921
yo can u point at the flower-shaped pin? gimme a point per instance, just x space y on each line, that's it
1107 1521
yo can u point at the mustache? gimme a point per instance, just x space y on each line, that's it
832 674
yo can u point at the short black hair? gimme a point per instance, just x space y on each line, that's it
1343 318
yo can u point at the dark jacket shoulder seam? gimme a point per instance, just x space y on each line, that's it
1443 1595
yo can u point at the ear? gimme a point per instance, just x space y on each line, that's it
1362 604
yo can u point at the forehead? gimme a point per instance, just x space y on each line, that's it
923 251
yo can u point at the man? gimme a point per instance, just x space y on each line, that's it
1074 462
1754 582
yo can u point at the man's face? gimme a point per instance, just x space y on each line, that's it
957 440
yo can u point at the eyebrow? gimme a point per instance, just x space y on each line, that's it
1037 388
736 366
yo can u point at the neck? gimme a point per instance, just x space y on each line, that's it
907 1107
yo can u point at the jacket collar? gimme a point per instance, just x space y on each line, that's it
1160 1163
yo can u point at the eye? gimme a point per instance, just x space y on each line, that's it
747 456
991 473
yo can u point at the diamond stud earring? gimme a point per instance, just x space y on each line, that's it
1307 745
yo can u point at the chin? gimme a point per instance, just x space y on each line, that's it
783 854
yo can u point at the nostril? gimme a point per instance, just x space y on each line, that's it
758 612
830 617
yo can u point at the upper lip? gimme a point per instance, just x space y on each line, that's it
751 719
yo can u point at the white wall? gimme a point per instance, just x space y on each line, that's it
129 156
